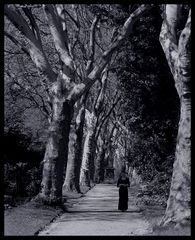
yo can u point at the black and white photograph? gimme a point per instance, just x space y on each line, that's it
97 119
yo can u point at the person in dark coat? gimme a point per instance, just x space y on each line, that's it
123 184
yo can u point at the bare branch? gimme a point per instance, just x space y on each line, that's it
28 5
99 45
100 97
79 89
34 25
36 51
60 38
92 45
106 116
75 21
14 53
19 22
17 43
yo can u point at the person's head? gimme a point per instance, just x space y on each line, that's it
123 174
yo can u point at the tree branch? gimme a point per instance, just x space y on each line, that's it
100 97
60 38
75 21
20 23
106 116
34 25
184 58
79 89
17 43
168 40
92 45
36 52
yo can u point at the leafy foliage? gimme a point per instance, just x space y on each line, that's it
151 110
22 169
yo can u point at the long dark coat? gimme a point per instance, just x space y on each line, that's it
123 194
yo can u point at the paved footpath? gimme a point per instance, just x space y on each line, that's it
96 214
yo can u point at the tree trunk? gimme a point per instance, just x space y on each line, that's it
106 146
179 202
75 157
100 165
87 168
92 146
56 153
87 150
69 183
79 147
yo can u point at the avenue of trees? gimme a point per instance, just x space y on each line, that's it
89 86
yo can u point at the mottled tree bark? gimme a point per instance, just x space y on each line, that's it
79 148
90 140
178 54
69 182
87 150
35 50
56 153
92 146
72 182
100 164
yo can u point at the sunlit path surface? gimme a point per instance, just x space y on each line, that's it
97 214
